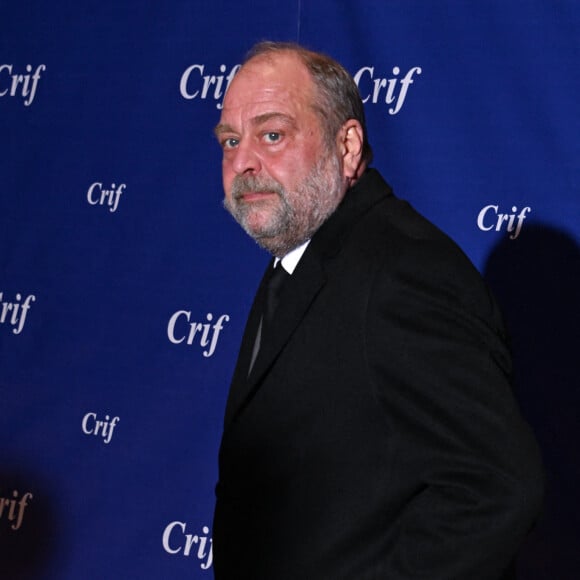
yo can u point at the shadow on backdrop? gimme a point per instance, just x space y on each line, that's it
536 280
27 527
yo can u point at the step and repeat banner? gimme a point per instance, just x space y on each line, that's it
124 285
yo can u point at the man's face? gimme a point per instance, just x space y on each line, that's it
280 179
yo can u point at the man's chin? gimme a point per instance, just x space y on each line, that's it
259 231
259 222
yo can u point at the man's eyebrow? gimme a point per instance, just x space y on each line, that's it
258 120
264 118
223 128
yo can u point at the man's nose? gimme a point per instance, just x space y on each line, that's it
246 159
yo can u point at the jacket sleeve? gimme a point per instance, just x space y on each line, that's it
468 463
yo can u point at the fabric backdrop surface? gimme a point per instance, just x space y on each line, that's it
124 285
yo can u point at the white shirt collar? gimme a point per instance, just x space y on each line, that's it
291 259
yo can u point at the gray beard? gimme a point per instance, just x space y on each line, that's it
297 215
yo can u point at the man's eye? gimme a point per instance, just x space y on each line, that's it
272 137
230 143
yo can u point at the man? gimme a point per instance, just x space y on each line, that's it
370 430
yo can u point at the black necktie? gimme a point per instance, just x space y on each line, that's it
274 285
277 279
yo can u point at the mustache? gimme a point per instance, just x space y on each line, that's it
242 184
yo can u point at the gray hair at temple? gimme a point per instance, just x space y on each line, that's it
338 98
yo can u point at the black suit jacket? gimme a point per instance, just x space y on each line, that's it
377 436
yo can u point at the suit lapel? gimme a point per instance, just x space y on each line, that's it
295 299
244 357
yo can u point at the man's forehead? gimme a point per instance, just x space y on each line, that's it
268 77
264 89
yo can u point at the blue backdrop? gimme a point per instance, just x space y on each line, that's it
124 286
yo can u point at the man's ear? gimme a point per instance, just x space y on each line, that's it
350 148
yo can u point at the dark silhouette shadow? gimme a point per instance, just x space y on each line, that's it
536 279
27 527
